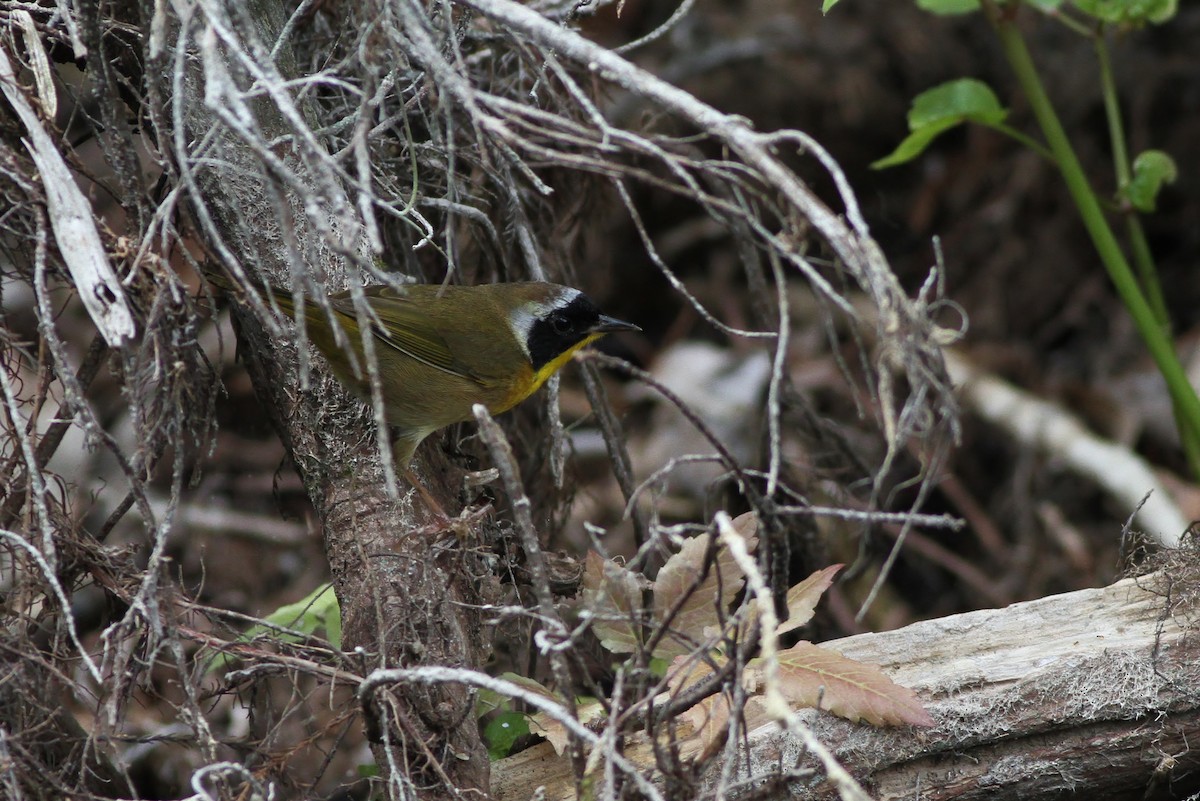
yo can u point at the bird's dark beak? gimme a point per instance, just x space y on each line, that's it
608 324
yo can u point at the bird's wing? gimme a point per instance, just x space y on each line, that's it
406 328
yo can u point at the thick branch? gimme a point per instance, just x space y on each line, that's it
276 207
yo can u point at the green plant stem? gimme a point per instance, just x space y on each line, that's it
1063 16
1142 258
1157 341
1116 129
1027 141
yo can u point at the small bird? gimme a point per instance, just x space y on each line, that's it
442 349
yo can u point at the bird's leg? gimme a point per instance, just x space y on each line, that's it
468 520
441 519
403 447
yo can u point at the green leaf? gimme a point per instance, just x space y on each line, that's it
913 145
1151 169
489 701
314 612
333 622
963 99
1133 12
526 683
828 4
503 731
939 109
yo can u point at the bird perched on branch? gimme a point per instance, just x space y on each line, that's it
442 349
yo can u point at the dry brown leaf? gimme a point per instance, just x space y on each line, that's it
802 598
612 595
586 711
687 670
699 615
543 724
710 722
532 685
810 674
708 717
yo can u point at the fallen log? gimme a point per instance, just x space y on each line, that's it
1095 692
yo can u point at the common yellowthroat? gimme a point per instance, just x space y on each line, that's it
442 349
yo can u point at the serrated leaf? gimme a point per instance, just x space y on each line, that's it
700 609
1151 169
746 524
941 108
810 674
612 595
802 599
1133 12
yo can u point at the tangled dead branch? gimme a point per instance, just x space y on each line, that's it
312 146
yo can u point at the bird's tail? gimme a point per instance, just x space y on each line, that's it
223 282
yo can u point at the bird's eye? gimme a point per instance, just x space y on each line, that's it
560 323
